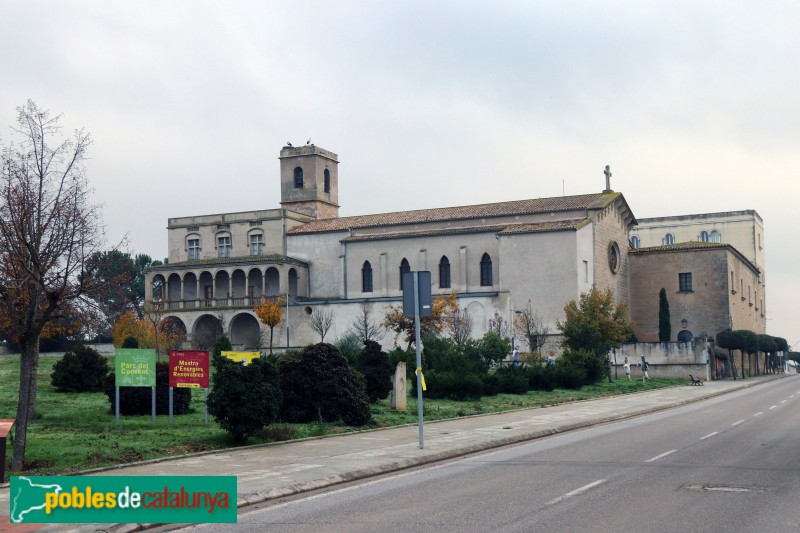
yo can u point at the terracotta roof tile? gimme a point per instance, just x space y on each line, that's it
516 207
677 247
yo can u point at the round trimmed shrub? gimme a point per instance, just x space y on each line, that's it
568 377
512 380
244 398
318 384
137 400
81 370
451 385
374 365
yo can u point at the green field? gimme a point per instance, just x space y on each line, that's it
77 431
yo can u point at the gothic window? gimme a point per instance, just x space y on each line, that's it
256 244
715 236
444 273
194 248
613 257
685 282
366 277
298 178
404 267
486 271
635 241
669 238
704 236
224 246
327 179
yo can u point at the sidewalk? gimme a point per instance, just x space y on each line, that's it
281 469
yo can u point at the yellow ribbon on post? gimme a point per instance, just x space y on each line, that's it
422 378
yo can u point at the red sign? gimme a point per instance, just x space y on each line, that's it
188 369
5 427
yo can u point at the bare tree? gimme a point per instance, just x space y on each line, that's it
497 324
48 230
321 321
365 328
528 324
461 327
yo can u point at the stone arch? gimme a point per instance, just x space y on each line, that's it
190 287
239 286
174 332
292 284
206 288
174 287
255 281
273 282
157 287
477 312
221 285
205 330
245 332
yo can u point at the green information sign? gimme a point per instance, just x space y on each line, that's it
135 367
122 499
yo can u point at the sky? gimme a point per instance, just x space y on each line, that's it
695 106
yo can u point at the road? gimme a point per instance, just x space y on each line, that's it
730 463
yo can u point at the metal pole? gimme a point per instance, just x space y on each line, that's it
170 406
205 403
287 318
116 403
419 357
153 403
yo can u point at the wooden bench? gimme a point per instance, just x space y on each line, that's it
695 381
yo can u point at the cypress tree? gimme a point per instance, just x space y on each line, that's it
664 325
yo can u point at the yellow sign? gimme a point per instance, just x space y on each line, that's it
242 357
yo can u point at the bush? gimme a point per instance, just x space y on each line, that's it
451 385
374 365
494 348
137 400
568 377
541 378
350 346
594 367
130 342
318 384
244 398
512 380
81 370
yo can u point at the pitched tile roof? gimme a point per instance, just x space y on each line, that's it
502 229
213 261
516 207
694 246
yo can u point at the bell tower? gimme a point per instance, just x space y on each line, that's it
310 181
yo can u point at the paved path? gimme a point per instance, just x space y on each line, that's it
275 470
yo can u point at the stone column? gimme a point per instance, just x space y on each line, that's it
399 393
462 268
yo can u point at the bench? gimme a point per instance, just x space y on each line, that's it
695 381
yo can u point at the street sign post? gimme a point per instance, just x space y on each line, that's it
417 302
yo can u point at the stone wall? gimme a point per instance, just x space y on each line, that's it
673 360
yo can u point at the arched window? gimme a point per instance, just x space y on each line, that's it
327 177
486 271
715 236
298 178
366 277
669 238
444 273
404 267
635 241
703 236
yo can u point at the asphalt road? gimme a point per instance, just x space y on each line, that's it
730 463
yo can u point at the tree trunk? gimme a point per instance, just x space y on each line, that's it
271 330
28 364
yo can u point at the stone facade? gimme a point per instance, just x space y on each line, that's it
709 305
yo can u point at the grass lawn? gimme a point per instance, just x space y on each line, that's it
77 431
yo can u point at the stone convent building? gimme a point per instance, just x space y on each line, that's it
497 257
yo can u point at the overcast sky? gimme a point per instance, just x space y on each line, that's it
695 105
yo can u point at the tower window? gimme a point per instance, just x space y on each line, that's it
669 238
298 178
444 273
486 271
194 248
327 178
404 267
704 236
366 277
714 236
635 241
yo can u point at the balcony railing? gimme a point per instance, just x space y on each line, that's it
205 303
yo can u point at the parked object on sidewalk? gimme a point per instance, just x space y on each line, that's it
695 381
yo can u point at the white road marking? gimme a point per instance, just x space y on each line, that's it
784 401
576 492
759 413
657 457
709 435
737 423
773 407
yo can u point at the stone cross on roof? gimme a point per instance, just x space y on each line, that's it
607 172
